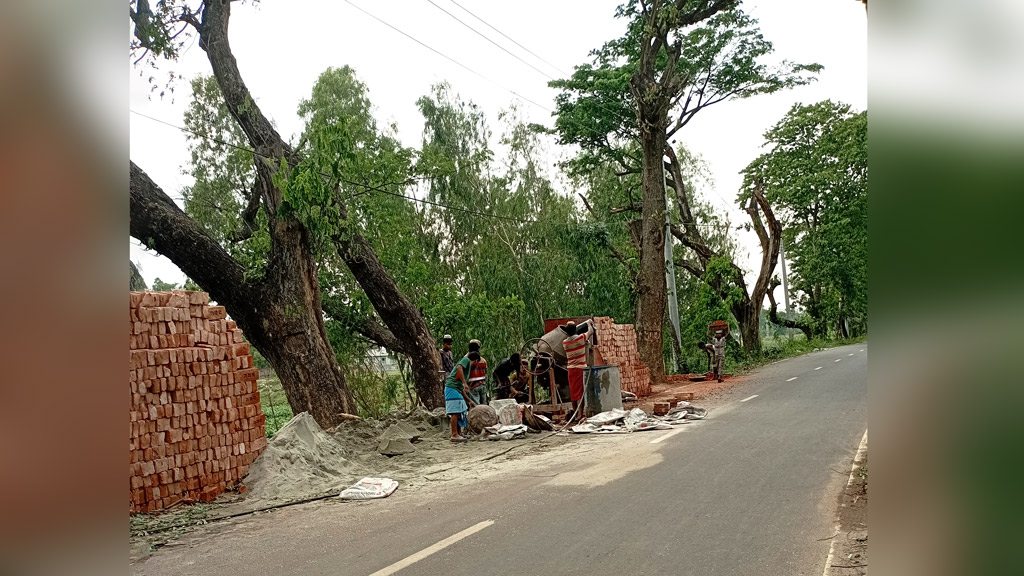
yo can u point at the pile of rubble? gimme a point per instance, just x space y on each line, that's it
619 421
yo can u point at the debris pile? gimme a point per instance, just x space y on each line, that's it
616 344
398 439
619 421
195 418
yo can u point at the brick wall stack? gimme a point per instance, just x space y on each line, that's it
195 418
616 344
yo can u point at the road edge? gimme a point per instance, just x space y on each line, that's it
857 460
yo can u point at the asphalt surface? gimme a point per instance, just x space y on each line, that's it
752 489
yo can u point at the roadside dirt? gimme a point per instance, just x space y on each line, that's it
850 546
705 393
436 465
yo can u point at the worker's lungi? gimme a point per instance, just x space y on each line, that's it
575 384
454 403
576 361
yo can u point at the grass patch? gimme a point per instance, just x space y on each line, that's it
775 349
274 402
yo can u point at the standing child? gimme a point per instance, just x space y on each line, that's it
478 375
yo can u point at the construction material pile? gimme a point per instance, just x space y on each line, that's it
195 418
619 421
301 460
616 344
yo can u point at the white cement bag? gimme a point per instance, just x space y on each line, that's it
369 488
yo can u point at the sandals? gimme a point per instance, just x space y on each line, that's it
459 439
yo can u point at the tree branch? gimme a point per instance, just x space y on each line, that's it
692 267
248 216
368 327
156 221
773 314
213 36
615 253
770 242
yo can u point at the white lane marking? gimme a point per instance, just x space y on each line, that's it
849 354
431 549
838 359
751 398
818 368
793 378
861 350
856 464
670 434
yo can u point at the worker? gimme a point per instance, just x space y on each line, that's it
718 344
477 386
503 374
519 388
447 362
456 400
575 360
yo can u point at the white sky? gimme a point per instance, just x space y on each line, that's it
282 47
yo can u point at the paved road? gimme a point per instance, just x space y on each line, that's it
750 490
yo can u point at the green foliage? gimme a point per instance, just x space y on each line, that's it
135 280
496 322
815 174
536 252
720 58
224 173
376 393
704 305
274 403
161 286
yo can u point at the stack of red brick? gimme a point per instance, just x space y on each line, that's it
195 418
616 344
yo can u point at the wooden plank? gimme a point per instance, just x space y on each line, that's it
552 408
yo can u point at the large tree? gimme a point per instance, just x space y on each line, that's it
815 173
676 59
277 303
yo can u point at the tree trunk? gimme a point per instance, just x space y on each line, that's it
400 317
749 319
652 299
279 314
652 100
773 315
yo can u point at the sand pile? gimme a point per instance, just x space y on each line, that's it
301 460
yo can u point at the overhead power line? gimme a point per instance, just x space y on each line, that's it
449 58
485 37
507 37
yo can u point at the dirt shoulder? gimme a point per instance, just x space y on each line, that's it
436 464
849 553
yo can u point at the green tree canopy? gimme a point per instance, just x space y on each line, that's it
816 172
